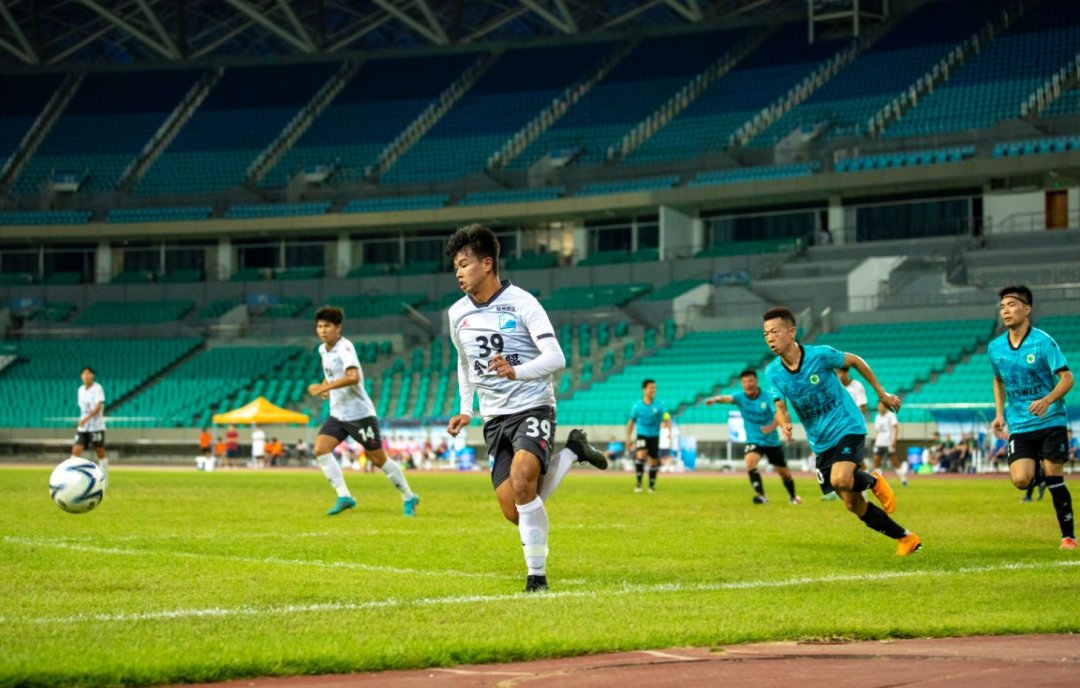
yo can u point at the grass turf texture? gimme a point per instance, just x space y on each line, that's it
190 577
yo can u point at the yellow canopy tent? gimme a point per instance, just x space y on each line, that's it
259 411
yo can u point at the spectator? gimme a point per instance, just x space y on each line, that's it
999 452
273 452
258 447
301 452
232 447
219 450
206 443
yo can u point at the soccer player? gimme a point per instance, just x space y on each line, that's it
647 415
91 428
258 447
759 417
351 413
1028 401
507 353
804 375
888 431
853 387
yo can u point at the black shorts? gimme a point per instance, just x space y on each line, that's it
1048 444
775 455
532 430
651 445
365 431
850 449
883 452
95 439
205 451
232 453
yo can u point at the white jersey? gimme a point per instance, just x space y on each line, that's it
857 392
89 398
258 443
511 323
346 403
886 425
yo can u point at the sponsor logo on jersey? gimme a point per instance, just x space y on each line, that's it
507 322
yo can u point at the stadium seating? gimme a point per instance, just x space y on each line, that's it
1058 144
17 115
288 308
299 273
510 94
654 71
755 174
104 128
743 248
385 205
375 305
15 279
53 312
513 196
574 298
132 215
132 277
906 159
280 210
886 70
991 86
62 279
532 261
628 186
133 312
216 309
181 277
47 372
370 112
251 275
644 255
673 290
774 67
46 217
241 116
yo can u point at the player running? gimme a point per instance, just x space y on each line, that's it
888 431
351 413
90 432
1030 411
805 376
647 415
759 418
507 353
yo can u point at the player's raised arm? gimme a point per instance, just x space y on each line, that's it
720 399
892 402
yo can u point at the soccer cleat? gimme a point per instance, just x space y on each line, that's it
410 506
760 499
796 500
1042 491
830 497
884 493
340 505
652 490
1068 543
637 490
909 544
1025 498
903 482
536 584
578 443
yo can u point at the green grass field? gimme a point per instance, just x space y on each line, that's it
192 577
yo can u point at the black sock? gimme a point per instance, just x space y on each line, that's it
652 476
639 469
875 518
789 485
1030 489
863 481
1062 504
755 480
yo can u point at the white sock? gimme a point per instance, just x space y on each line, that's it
332 471
557 468
533 526
393 472
902 471
103 464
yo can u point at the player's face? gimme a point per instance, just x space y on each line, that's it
649 390
881 407
470 271
328 332
845 378
749 384
1013 311
87 378
778 334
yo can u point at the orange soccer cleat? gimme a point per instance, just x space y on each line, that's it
884 493
909 544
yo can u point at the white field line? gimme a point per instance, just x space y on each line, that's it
60 544
218 612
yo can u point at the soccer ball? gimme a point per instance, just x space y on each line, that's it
77 486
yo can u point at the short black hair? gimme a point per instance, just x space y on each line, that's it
648 382
782 312
1019 292
331 314
86 368
749 372
479 240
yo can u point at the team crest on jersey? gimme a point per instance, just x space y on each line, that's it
763 404
814 379
507 322
1031 358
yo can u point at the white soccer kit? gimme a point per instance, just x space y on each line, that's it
886 425
346 403
89 398
258 443
514 324
857 392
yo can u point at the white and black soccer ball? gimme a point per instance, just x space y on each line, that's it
77 486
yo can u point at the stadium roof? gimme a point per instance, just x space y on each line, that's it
49 32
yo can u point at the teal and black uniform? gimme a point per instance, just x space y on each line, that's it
647 419
758 413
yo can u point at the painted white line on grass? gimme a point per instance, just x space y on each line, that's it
60 544
523 597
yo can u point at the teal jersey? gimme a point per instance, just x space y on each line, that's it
827 411
647 417
1029 373
757 413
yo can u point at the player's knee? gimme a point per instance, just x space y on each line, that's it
524 489
845 483
1022 482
